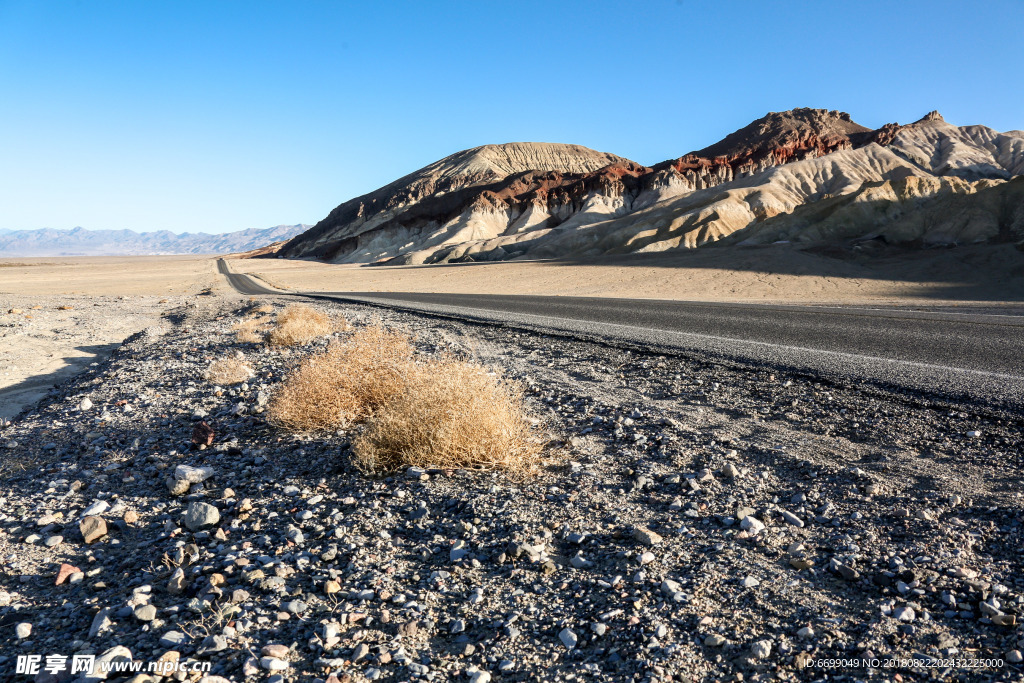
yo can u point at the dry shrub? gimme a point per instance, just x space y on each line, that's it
252 330
440 413
344 383
451 414
298 324
229 371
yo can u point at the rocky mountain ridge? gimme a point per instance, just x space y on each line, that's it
82 242
541 201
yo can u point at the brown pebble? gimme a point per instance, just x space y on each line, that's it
64 572
93 528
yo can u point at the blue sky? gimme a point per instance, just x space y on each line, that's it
220 116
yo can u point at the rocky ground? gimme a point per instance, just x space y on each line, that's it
694 521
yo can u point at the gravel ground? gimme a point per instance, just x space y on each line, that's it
694 521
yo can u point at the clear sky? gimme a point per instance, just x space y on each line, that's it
219 115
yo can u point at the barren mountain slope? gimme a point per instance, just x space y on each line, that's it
367 227
487 204
926 211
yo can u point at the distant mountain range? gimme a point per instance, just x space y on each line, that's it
802 176
82 242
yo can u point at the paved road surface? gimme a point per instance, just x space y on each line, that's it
961 355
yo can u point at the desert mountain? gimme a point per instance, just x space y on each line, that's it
82 242
419 206
804 175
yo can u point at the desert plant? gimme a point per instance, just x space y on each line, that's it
298 324
449 414
229 371
252 330
344 383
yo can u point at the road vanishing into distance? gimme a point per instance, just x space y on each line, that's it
978 356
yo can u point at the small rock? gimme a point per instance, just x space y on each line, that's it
568 638
200 515
752 524
86 404
202 434
173 639
579 562
145 612
275 650
177 487
761 649
294 607
458 551
1014 657
905 613
176 584
92 528
23 630
848 572
416 473
273 664
193 475
646 536
730 471
100 623
792 519
96 508
65 572
750 582
714 640
806 632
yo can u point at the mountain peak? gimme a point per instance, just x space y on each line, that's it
784 129
516 157
931 116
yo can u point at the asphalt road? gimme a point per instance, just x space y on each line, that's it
963 355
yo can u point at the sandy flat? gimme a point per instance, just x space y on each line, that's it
108 275
778 273
59 315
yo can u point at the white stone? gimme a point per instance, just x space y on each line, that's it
98 507
761 649
568 638
192 475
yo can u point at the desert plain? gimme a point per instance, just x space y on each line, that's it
58 315
73 310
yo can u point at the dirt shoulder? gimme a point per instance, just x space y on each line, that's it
988 274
